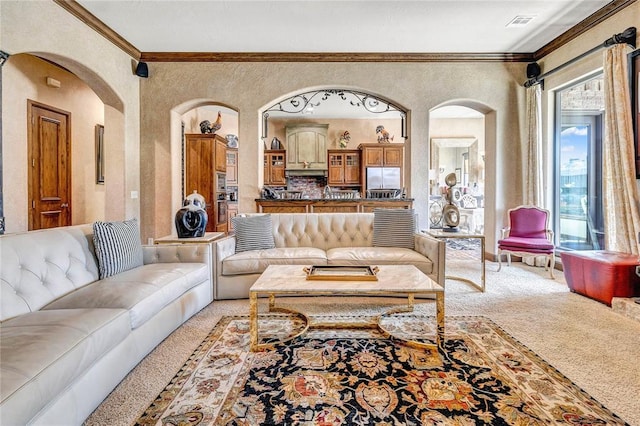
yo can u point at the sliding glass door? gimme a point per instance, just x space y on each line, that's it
578 167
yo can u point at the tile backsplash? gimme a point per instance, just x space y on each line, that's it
313 186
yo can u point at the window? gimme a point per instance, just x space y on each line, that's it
578 222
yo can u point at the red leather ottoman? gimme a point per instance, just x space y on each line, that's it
601 274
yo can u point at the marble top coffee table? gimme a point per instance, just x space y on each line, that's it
289 280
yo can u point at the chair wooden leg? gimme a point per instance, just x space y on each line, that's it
499 260
508 259
552 261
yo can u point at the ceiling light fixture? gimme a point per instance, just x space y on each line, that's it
520 21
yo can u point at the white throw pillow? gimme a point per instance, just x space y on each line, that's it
118 246
394 228
253 232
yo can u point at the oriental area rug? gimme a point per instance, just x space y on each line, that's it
357 377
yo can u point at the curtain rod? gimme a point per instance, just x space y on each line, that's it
628 36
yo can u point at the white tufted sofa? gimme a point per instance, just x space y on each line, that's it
66 338
319 239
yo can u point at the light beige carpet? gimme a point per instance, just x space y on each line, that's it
586 341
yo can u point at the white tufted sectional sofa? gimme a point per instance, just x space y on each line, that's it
319 239
66 337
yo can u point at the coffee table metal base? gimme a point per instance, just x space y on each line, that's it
376 323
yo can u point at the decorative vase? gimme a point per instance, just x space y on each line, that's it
191 219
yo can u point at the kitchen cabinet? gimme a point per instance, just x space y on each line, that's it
232 167
274 167
306 146
381 155
344 167
203 155
221 153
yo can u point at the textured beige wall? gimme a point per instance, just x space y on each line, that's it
45 29
251 87
28 75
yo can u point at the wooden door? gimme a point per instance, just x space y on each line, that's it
199 170
49 146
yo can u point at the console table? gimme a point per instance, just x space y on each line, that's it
443 235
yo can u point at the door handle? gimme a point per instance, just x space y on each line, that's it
64 205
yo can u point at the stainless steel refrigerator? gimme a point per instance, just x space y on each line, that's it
383 178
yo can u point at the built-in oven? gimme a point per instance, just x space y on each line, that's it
221 183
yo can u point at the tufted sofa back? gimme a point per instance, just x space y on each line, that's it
37 267
323 230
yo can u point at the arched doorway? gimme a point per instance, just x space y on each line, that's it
457 145
186 120
65 84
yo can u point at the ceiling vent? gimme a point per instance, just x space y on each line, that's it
520 21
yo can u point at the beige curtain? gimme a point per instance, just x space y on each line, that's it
532 161
532 170
620 190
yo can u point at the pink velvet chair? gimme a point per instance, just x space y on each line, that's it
528 234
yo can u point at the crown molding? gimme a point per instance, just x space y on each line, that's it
101 28
74 8
331 57
583 26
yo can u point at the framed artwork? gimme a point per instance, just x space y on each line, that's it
634 63
99 154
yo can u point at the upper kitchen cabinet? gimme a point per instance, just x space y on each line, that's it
274 163
306 146
344 167
382 155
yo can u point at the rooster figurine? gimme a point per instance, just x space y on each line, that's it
383 135
207 127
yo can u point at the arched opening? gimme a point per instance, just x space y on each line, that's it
457 144
63 84
186 119
345 119
463 142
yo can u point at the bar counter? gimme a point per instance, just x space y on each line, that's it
326 205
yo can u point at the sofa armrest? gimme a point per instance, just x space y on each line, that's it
176 253
434 250
224 247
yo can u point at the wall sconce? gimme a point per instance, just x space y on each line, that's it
3 57
441 170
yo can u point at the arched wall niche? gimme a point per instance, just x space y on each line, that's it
177 144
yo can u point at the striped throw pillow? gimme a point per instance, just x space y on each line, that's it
118 246
394 228
253 232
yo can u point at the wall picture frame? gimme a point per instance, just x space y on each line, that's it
99 154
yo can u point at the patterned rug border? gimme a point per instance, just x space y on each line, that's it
160 403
